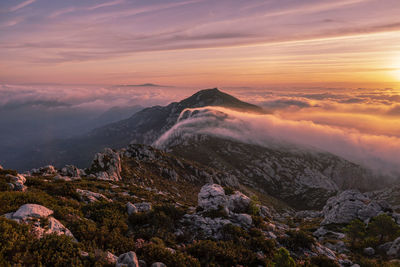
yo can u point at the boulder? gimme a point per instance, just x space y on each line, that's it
107 165
17 182
90 196
350 205
110 258
212 197
369 251
32 214
143 206
142 263
71 171
48 170
238 202
32 210
244 220
128 259
131 208
158 264
394 250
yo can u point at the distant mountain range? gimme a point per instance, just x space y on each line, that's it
143 127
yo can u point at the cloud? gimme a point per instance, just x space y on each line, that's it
22 5
106 4
380 152
395 111
84 96
284 103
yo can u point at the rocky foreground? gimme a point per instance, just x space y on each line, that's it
141 207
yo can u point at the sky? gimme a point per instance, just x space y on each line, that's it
201 43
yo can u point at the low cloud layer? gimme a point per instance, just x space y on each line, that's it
379 152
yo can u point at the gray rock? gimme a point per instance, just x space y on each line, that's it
48 170
158 264
212 197
107 165
17 182
394 250
142 263
110 258
369 251
238 202
143 206
32 210
90 196
71 171
244 220
385 247
350 205
128 259
31 214
131 208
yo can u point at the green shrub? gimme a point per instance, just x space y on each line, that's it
282 259
218 213
355 232
384 228
53 250
224 253
298 239
322 261
157 252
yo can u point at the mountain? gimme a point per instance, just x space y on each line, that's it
303 178
143 127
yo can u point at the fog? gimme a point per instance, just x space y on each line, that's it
380 152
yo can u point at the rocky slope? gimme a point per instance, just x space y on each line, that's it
303 178
140 205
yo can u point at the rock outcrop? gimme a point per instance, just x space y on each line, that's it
350 205
90 196
48 170
128 259
17 182
107 165
34 214
216 209
71 171
212 197
394 250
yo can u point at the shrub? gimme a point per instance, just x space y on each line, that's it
282 259
355 232
224 253
383 228
298 239
157 252
322 261
53 250
253 208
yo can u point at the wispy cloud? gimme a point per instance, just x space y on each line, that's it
22 5
106 4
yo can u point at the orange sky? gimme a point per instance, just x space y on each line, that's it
200 42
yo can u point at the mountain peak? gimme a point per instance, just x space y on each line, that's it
215 97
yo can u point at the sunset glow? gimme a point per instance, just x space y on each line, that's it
200 42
